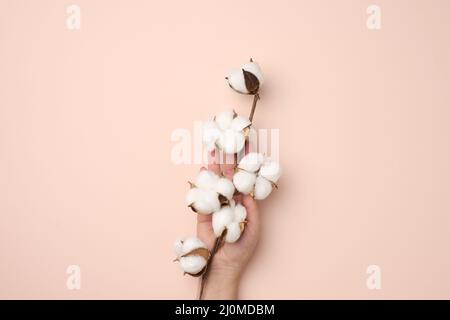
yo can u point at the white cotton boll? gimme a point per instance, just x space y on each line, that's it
190 244
224 119
225 187
206 202
240 123
193 255
251 162
206 180
192 264
202 207
191 196
233 232
202 201
263 188
227 132
204 198
270 170
211 133
247 80
240 213
178 247
236 81
231 141
221 219
244 181
254 68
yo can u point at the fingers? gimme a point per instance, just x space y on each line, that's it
229 163
203 217
251 233
204 225
252 209
247 147
205 230
250 204
213 163
226 168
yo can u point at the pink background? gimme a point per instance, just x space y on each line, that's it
86 119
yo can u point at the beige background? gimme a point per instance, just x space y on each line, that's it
86 118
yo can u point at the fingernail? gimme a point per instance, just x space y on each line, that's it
229 172
212 157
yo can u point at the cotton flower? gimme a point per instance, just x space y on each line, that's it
256 175
192 254
230 218
244 181
227 131
247 79
209 192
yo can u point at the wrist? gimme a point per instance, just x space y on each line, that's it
221 284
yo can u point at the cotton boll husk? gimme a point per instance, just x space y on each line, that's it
236 81
207 202
244 181
231 141
192 264
251 162
225 187
206 180
211 133
191 243
233 232
254 68
240 213
221 219
270 170
263 188
239 123
224 119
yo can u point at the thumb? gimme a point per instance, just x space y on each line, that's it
252 211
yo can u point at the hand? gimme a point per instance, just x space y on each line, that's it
230 261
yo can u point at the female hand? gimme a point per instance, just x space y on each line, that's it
231 259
